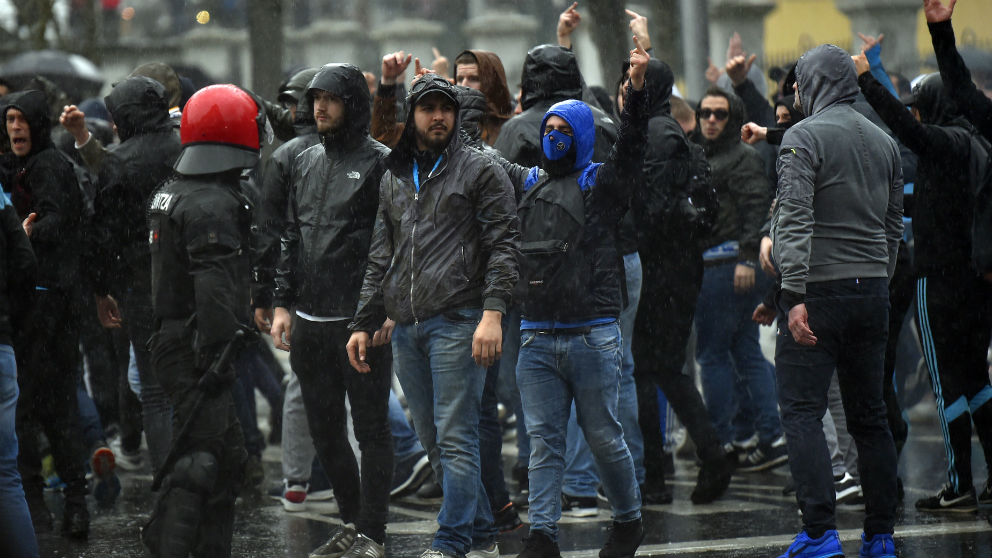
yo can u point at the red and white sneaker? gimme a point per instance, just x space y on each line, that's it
102 462
294 497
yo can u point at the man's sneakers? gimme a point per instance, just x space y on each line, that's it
129 461
365 547
491 551
578 506
847 491
507 519
947 500
106 485
765 456
714 477
539 545
338 544
879 546
826 546
623 540
409 473
294 495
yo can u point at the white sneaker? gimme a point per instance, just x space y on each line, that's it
491 552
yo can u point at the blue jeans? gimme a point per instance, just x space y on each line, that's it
16 531
727 349
850 318
443 387
553 370
581 477
405 442
507 389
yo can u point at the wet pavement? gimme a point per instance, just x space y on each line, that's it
753 519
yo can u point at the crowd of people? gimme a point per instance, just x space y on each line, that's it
548 253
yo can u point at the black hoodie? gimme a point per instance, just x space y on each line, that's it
952 156
331 206
551 74
44 182
130 173
738 175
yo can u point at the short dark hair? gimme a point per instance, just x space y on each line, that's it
466 58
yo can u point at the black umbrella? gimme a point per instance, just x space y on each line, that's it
74 74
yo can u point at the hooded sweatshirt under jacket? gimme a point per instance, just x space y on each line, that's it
838 213
951 155
331 206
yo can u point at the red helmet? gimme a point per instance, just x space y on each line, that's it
220 131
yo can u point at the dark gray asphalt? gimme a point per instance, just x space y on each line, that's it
753 520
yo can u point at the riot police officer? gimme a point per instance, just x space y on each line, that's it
198 229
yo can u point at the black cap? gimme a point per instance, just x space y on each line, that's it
431 83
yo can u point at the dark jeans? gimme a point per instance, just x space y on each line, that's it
320 361
661 331
850 318
491 442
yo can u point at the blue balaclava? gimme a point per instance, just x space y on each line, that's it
562 153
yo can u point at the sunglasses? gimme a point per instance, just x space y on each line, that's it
720 114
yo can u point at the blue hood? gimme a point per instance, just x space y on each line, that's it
579 117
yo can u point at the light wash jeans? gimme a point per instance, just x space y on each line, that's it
17 538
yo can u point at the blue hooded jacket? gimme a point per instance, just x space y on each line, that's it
579 117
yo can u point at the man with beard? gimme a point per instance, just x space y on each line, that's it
331 208
443 265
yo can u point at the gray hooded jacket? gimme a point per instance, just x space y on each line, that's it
839 201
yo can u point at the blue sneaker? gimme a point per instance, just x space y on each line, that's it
827 546
879 546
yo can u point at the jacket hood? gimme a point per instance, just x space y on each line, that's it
658 79
164 74
493 83
825 76
472 107
789 102
402 155
935 105
731 132
296 87
550 73
579 117
34 105
138 105
348 83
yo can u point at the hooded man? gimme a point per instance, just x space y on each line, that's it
727 345
571 299
331 208
46 194
953 301
836 228
122 262
670 245
483 70
442 265
550 75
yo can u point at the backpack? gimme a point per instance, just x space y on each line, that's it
699 207
551 223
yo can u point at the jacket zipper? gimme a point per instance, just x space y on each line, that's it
413 244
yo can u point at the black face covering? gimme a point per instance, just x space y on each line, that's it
559 167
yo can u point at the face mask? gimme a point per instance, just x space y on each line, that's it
556 145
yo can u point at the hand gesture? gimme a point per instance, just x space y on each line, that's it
870 42
440 65
935 11
28 223
861 64
487 342
638 65
738 67
799 326
568 21
763 315
393 66
639 26
751 133
282 328
712 72
735 46
74 121
357 347
384 334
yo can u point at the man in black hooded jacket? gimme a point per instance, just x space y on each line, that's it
954 304
47 197
671 254
331 209
122 262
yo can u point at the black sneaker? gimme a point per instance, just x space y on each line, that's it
714 478
409 473
576 506
521 498
430 489
507 519
847 491
765 457
340 541
76 522
539 545
656 494
623 540
985 498
950 501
